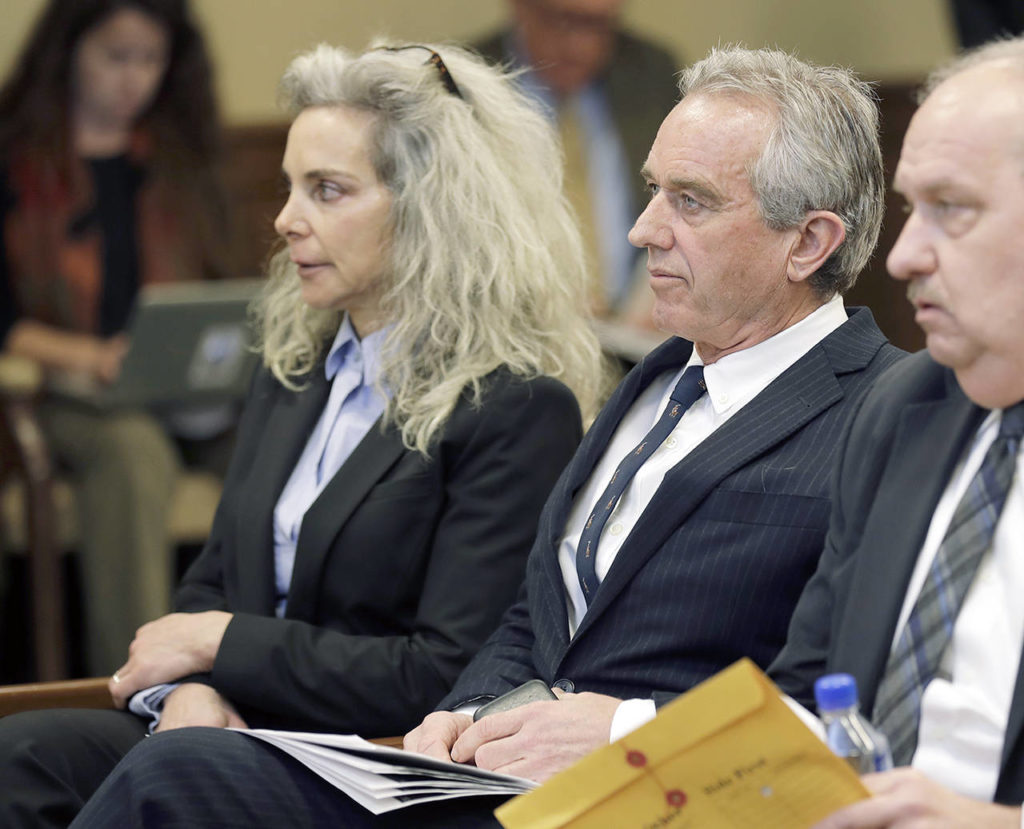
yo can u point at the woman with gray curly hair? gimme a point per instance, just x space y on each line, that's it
424 348
484 262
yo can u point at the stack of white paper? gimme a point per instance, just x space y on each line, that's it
382 779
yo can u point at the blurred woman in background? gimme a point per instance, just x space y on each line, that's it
108 143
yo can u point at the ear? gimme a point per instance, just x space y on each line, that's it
821 232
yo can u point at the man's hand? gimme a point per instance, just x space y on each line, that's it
905 798
167 649
195 704
436 735
541 739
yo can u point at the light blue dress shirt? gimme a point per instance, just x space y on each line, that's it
354 405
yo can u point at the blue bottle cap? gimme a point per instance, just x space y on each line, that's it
834 691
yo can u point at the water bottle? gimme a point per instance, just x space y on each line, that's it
847 732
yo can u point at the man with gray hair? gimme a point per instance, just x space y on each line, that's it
918 594
682 532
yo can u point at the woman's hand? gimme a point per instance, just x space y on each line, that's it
167 649
194 704
106 359
55 348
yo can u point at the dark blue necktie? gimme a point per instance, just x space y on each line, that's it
920 650
687 390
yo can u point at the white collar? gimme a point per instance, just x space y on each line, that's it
738 377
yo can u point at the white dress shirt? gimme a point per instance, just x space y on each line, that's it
963 719
732 382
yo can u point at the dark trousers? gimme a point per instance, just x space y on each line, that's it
51 762
198 777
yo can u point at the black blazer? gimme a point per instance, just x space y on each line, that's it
715 565
403 565
896 461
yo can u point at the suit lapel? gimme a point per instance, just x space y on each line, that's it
376 453
668 356
797 396
289 425
896 529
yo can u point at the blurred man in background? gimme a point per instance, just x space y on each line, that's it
609 91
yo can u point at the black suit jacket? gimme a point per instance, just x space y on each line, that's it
403 565
896 461
714 566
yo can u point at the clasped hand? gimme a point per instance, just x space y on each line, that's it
194 704
534 741
168 649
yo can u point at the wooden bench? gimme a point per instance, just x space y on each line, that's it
81 693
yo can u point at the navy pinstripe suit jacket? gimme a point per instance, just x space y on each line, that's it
715 564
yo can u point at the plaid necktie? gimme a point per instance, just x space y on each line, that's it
918 655
687 390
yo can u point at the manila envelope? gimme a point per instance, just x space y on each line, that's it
729 753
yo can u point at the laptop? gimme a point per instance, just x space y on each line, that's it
189 345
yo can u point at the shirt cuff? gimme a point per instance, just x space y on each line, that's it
630 715
149 703
633 713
